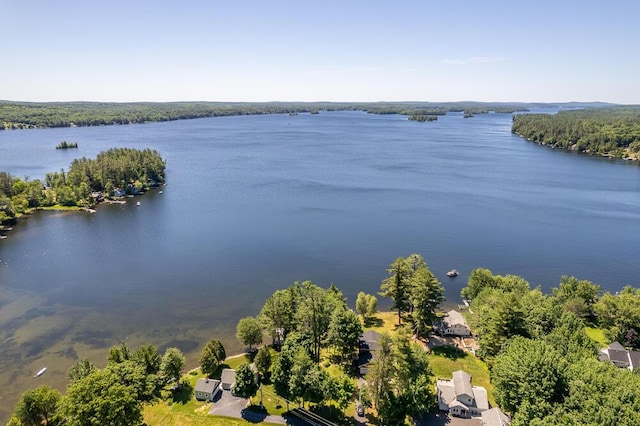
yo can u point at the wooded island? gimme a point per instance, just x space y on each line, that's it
113 173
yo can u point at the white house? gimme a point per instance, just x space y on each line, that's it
454 324
620 357
206 389
459 397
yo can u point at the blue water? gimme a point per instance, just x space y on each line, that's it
254 203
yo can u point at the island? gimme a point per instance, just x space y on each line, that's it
111 175
66 145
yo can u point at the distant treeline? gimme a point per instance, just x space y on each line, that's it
613 131
86 183
20 115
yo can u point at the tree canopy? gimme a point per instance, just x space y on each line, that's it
613 131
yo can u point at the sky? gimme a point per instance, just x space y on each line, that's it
348 50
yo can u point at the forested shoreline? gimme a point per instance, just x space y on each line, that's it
25 115
113 173
612 132
539 351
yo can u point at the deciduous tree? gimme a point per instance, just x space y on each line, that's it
248 332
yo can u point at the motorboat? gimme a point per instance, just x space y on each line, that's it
452 273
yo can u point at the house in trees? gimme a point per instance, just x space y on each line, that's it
206 389
616 354
495 417
458 397
228 378
367 345
454 324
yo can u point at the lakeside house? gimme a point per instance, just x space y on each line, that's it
228 378
454 324
459 398
495 417
367 345
616 354
206 389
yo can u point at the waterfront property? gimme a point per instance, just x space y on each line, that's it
619 356
206 389
228 378
458 397
367 345
454 324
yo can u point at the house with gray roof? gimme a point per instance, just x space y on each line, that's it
454 324
227 378
367 345
206 389
495 417
459 397
619 356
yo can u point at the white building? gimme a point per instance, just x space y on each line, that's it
454 324
459 397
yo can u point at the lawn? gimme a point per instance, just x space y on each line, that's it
183 409
445 360
382 322
597 335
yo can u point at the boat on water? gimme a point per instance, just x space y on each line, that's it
138 203
41 372
452 273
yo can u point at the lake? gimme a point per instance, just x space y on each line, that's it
254 203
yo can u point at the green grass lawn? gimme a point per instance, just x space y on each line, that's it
445 360
597 335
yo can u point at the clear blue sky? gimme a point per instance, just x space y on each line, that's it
113 50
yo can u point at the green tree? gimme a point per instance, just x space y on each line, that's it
576 296
500 323
172 363
381 371
397 286
426 295
314 314
38 406
366 305
619 313
281 374
119 353
246 384
212 355
262 361
531 371
277 316
80 369
345 389
147 356
101 399
248 332
344 333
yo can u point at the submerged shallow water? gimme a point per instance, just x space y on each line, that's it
254 203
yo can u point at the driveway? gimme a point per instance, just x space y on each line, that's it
443 419
225 404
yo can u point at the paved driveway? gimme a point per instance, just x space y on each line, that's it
225 404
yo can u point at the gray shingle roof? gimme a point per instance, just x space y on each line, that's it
206 385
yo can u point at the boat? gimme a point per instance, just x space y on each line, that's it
138 203
41 372
452 273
